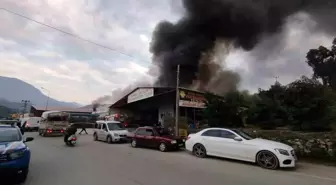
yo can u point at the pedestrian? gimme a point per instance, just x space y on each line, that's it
83 129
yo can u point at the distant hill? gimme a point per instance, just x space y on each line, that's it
5 112
13 91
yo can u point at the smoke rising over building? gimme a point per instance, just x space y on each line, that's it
193 41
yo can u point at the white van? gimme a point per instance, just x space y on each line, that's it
110 131
32 123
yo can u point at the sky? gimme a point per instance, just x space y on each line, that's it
77 71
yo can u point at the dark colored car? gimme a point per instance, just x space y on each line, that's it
152 138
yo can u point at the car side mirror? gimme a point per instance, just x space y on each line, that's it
28 139
237 139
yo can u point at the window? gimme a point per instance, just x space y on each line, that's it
211 133
149 132
226 134
145 132
243 134
104 127
116 126
10 135
141 132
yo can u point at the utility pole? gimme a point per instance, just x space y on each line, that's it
25 103
177 106
276 79
46 109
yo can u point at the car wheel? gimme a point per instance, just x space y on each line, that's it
163 147
22 176
95 137
267 159
109 139
134 143
199 151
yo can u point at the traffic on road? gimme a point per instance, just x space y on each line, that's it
89 159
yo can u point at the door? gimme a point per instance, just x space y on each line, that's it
104 132
209 139
228 147
139 135
149 139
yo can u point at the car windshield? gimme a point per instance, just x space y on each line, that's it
243 134
115 126
9 135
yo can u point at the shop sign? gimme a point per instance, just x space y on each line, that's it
140 94
191 99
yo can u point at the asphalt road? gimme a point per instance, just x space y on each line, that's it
97 163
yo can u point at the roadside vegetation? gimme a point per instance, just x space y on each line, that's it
301 113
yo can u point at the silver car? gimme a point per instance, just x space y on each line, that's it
110 131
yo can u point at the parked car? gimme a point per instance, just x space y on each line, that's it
152 138
236 144
110 131
14 154
131 130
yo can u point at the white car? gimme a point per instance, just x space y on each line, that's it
236 144
32 123
110 131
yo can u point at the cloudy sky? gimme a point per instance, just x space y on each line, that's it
75 70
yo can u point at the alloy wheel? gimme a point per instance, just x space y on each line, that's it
109 140
133 143
199 151
267 160
162 147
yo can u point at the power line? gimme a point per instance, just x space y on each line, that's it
67 33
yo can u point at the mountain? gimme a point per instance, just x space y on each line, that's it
13 91
5 112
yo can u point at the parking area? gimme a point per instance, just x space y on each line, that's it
92 162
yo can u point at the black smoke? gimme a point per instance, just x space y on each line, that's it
191 42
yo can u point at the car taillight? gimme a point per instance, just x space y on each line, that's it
73 139
27 124
49 131
62 130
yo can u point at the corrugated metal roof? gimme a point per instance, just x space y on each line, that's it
64 109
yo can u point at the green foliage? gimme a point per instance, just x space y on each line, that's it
305 104
227 111
323 62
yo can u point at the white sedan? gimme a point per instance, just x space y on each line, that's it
236 144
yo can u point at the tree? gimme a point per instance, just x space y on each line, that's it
323 63
268 111
309 104
227 111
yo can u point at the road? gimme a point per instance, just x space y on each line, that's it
97 163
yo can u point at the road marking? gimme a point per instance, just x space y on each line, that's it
315 176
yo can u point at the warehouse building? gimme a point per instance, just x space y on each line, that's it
156 105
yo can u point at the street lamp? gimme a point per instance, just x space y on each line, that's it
47 97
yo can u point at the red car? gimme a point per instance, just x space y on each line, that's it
151 138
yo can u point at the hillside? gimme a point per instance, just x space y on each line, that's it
5 112
13 91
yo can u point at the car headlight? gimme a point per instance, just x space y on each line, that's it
173 142
116 135
282 151
17 154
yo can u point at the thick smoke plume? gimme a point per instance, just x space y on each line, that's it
192 41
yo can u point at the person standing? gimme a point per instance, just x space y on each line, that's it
83 129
